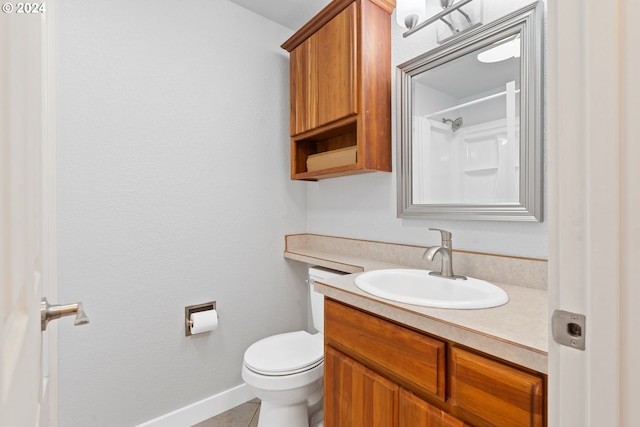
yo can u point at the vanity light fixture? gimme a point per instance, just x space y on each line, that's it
410 13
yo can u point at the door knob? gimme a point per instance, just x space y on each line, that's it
49 312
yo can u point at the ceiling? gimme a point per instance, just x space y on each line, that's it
292 14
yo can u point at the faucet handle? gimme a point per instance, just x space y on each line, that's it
446 235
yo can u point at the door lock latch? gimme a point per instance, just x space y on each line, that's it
569 329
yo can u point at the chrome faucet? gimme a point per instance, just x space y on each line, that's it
446 255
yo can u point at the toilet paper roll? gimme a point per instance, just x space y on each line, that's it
203 321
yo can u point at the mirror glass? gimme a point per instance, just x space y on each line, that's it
470 125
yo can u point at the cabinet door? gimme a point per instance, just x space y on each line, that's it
415 412
356 396
323 74
498 394
303 87
336 65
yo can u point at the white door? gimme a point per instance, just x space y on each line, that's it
594 200
27 210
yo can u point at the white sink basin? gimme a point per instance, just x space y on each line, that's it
419 288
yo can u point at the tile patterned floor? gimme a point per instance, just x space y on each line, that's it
245 415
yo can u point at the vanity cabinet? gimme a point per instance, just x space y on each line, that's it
380 373
360 397
340 91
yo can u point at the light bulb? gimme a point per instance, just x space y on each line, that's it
410 12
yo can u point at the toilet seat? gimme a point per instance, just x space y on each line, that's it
285 354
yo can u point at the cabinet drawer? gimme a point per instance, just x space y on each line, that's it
408 357
496 393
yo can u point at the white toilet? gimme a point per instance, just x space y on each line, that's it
286 371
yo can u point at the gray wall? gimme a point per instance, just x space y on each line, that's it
173 180
364 206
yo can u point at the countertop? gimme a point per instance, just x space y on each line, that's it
516 332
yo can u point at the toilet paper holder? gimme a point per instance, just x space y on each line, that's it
189 310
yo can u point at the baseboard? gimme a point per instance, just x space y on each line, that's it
204 409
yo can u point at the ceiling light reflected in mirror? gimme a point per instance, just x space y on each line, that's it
502 51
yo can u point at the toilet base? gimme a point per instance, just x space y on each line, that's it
290 400
275 415
316 419
278 416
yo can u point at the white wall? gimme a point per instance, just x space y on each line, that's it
173 186
364 206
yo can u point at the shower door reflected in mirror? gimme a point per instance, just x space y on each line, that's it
466 151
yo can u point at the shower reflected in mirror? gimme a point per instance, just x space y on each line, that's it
455 124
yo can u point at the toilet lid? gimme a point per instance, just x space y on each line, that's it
285 354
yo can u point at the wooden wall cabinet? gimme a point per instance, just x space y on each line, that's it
379 373
340 88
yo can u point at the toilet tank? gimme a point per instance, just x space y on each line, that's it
317 299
